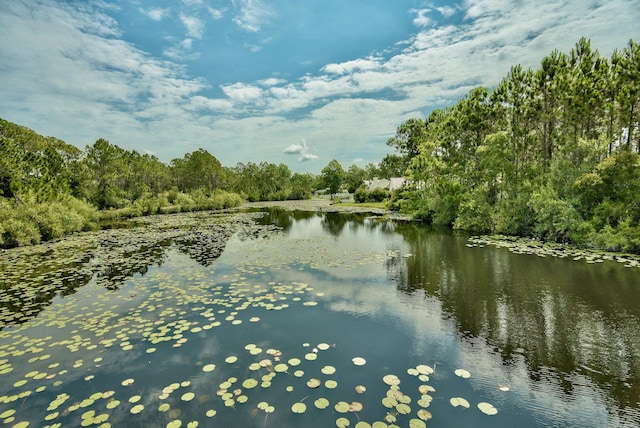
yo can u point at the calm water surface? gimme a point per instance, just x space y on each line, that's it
152 327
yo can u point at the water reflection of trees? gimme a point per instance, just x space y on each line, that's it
334 223
573 317
284 219
32 277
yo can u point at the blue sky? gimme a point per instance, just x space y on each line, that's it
297 82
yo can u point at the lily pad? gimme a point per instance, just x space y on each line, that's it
423 414
417 423
342 422
459 401
355 406
342 407
487 408
359 361
321 403
462 373
299 407
328 370
250 383
314 383
331 384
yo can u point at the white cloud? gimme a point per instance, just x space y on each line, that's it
307 157
123 94
181 50
362 64
272 81
193 25
216 13
446 11
252 14
295 149
422 20
242 93
156 14
301 149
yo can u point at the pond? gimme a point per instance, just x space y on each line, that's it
287 318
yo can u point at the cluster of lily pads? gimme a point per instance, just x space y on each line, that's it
537 248
57 369
34 276
261 370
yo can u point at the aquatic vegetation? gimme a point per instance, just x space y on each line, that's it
136 306
540 249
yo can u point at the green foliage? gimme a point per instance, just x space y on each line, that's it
360 195
555 219
548 153
354 178
198 170
333 176
31 222
376 195
416 204
475 214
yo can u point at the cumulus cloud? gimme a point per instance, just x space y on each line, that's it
295 149
181 50
242 93
216 13
156 14
193 25
421 20
251 14
307 157
446 11
300 149
361 64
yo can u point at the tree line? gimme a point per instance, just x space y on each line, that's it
49 188
550 153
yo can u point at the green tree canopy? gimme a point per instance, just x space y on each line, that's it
332 176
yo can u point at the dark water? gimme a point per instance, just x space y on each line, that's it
547 341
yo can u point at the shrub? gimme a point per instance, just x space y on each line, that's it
555 219
184 201
360 195
474 213
19 232
378 195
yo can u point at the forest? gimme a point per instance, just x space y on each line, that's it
551 153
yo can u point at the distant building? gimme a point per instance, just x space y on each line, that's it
394 183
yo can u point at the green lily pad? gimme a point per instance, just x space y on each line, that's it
487 408
342 422
359 361
423 414
342 407
328 370
462 373
314 383
459 401
299 408
417 423
321 403
403 409
250 383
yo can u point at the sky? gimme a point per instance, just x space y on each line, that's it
299 82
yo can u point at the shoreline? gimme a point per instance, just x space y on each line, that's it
326 206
